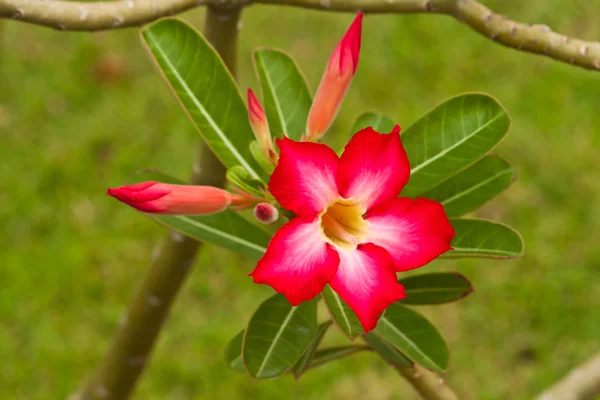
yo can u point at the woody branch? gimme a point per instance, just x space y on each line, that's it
539 39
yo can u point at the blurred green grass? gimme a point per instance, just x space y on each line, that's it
81 112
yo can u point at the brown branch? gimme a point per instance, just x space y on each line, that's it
429 385
583 383
132 344
539 39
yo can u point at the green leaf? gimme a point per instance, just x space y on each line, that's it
240 178
435 288
205 88
226 229
481 238
286 97
473 187
341 314
451 137
233 353
386 350
302 364
277 336
330 354
414 336
378 122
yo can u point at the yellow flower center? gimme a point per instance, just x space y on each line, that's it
342 223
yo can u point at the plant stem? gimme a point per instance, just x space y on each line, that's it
132 345
428 384
101 15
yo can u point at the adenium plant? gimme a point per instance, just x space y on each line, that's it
332 224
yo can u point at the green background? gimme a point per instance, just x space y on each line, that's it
80 112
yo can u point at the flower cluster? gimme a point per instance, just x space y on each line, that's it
350 229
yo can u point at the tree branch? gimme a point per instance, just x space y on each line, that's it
583 383
132 345
428 384
539 39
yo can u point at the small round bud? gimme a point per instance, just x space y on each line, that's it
266 213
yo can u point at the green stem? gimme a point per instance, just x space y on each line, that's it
132 345
429 385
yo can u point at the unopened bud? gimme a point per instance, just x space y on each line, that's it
335 82
260 126
266 213
167 199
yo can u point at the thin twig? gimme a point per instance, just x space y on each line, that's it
583 383
429 385
140 326
539 39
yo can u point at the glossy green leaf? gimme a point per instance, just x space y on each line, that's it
302 365
481 238
414 336
205 88
233 353
330 354
378 122
226 229
473 187
386 350
240 178
435 288
452 136
286 97
277 336
341 314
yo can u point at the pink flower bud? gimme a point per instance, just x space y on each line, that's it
166 199
260 126
335 82
266 213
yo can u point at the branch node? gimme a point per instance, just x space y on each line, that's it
83 13
154 301
513 31
488 18
564 39
494 35
583 49
130 4
440 381
428 6
118 21
18 14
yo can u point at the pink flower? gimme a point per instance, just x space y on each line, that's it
335 82
166 199
351 231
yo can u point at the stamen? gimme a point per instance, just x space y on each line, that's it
342 223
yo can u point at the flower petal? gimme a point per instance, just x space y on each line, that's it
304 179
374 167
298 262
414 232
367 282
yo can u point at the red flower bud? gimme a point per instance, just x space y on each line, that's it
335 82
260 126
166 199
266 213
